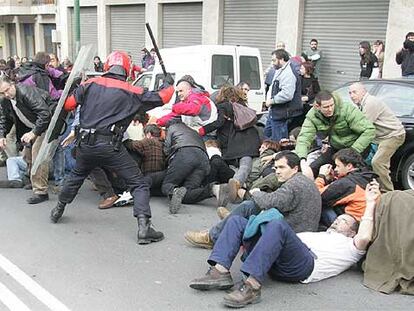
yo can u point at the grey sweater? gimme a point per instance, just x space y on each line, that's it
297 199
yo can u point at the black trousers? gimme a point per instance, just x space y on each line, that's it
102 154
220 171
188 168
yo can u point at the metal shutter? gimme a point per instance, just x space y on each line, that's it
128 29
88 28
251 23
339 26
182 24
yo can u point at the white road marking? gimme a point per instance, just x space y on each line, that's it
10 300
35 289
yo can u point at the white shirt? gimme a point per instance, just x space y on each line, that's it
336 253
21 116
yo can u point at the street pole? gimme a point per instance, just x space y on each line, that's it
77 26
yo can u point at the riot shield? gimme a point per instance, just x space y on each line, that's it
47 149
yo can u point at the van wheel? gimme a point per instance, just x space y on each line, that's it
407 173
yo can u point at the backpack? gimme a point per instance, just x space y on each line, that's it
244 117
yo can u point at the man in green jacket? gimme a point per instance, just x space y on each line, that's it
343 124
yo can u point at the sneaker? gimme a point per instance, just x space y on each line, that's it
242 296
222 212
176 199
213 279
199 239
124 199
108 202
37 198
234 186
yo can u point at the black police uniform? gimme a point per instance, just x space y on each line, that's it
108 104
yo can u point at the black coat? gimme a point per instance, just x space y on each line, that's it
34 104
234 144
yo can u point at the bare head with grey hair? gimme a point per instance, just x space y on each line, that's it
7 87
357 91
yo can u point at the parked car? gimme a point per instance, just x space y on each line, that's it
399 96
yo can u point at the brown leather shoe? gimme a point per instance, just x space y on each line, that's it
222 212
213 279
199 239
234 186
242 296
108 202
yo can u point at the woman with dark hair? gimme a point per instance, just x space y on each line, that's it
97 64
238 147
310 85
368 62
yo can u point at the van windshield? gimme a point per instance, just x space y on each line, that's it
249 71
222 71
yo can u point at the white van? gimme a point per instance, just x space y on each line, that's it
211 66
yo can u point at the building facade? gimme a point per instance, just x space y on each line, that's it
338 25
26 27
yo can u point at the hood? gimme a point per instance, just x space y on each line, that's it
362 176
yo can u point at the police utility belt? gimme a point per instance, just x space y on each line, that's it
92 136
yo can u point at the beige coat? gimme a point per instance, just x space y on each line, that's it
390 258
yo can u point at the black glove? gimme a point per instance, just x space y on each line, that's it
168 79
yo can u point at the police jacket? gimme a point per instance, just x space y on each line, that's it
179 136
33 105
109 100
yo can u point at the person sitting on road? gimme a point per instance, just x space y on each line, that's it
344 124
16 173
275 249
297 199
346 193
150 151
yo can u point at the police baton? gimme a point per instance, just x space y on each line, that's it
157 51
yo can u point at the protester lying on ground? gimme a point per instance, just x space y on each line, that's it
297 199
272 247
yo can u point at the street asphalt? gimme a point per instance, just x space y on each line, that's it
91 261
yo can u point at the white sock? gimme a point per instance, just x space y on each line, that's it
215 190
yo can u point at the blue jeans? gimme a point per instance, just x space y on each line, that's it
276 129
59 165
277 251
244 209
16 168
328 216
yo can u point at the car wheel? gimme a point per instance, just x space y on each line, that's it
407 173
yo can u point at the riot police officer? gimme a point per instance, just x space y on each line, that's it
107 106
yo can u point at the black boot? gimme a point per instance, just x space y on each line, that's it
57 212
147 234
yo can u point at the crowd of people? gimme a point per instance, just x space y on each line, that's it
300 202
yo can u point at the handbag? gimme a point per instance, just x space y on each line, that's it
244 117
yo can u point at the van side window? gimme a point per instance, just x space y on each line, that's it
249 71
144 81
222 71
159 80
